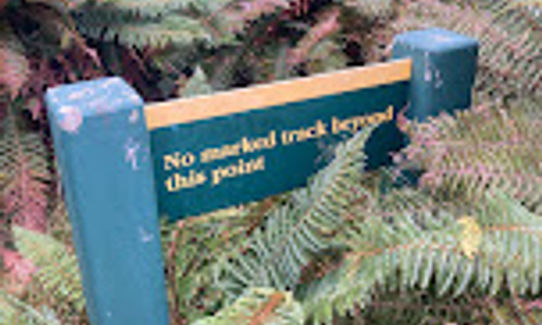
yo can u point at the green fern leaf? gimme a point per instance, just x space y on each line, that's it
13 311
302 226
152 23
498 249
155 8
371 8
197 85
58 270
259 306
172 30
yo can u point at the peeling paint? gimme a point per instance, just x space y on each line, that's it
442 38
146 154
131 148
53 96
85 92
110 82
102 105
119 102
71 118
145 236
427 74
438 79
134 116
135 99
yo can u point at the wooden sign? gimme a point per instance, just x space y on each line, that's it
123 164
216 151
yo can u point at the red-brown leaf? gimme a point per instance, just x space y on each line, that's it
24 198
14 68
19 271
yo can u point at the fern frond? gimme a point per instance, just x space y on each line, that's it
23 157
479 149
259 306
193 247
371 8
420 307
153 23
326 56
154 8
326 26
58 270
198 84
498 249
177 30
14 67
238 15
276 253
13 311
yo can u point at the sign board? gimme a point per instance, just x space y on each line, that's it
221 150
124 163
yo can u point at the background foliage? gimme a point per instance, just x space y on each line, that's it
460 245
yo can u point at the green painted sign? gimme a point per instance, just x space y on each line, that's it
123 163
219 161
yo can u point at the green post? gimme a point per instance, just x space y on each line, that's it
443 70
102 145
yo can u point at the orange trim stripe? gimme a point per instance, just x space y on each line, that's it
186 110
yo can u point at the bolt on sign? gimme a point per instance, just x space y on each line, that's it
124 164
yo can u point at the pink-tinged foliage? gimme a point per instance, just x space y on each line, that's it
535 304
479 149
24 198
249 10
18 270
509 39
258 7
327 25
14 69
36 107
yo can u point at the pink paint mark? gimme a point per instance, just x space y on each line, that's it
71 120
81 94
131 149
442 38
427 69
438 77
110 82
134 116
135 99
145 236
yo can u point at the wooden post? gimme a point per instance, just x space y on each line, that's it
102 146
443 72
